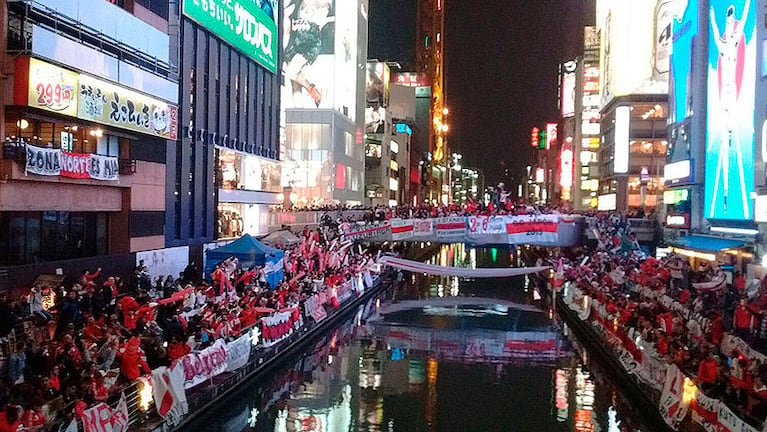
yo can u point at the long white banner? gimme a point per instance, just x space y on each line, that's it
419 267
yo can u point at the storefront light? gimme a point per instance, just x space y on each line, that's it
22 124
694 254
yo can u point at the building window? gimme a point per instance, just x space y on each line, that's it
34 237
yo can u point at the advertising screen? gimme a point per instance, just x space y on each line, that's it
320 57
730 105
376 97
685 28
635 47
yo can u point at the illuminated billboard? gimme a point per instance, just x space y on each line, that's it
685 29
621 157
635 47
551 135
730 107
567 91
376 96
566 168
320 55
247 26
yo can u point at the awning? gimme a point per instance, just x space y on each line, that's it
708 244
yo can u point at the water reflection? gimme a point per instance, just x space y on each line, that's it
483 356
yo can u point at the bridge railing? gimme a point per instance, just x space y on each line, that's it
644 229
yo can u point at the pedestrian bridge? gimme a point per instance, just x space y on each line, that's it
537 230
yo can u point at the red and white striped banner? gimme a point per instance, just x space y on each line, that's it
451 226
524 229
401 229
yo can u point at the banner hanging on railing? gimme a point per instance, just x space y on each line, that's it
451 226
401 229
357 232
168 392
276 327
237 353
532 228
204 365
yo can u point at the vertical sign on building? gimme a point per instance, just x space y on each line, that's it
622 122
685 29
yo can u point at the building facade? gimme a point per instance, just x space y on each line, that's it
89 106
223 169
322 123
430 60
635 45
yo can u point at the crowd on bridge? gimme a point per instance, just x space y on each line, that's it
81 343
711 324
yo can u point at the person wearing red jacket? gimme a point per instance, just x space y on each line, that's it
33 418
742 321
177 349
708 370
9 419
133 360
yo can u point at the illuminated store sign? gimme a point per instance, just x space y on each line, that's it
551 135
729 180
678 220
241 24
567 93
607 202
622 120
59 90
674 172
566 168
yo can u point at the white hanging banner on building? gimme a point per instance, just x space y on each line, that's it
104 168
43 161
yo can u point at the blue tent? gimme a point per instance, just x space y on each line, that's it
249 252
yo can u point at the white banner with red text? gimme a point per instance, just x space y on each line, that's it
200 366
103 418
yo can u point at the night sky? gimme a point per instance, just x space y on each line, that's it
501 68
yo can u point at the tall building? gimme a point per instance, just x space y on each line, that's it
89 103
587 130
389 114
430 59
323 118
635 46
223 168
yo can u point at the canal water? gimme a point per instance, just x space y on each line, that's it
437 354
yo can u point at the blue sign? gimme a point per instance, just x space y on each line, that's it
403 128
730 110
684 30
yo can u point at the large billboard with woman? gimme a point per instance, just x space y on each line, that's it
730 110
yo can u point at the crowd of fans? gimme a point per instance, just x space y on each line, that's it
101 334
682 313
